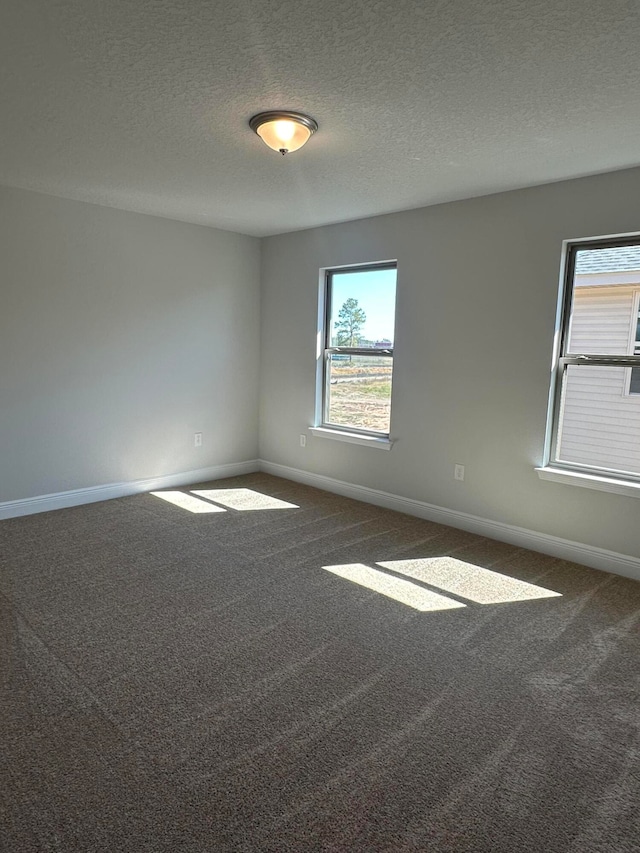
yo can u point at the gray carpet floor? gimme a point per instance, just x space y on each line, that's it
179 681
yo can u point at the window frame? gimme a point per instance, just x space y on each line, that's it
634 342
325 350
563 358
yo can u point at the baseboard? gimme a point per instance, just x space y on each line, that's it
76 497
577 552
587 555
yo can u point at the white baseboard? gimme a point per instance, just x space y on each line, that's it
587 555
76 497
597 558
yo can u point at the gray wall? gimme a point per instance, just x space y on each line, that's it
477 290
120 336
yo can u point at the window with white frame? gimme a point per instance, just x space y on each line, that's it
594 425
357 354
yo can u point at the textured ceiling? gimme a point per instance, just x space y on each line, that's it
144 104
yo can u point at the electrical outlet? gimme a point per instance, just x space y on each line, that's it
303 440
197 439
458 472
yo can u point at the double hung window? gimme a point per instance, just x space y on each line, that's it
594 427
357 353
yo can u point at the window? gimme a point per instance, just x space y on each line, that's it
357 352
595 399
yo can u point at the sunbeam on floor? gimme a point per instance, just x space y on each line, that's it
243 499
240 500
188 502
464 580
468 581
398 589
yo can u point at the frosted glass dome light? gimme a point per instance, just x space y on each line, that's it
283 131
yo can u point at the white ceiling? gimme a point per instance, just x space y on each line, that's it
144 104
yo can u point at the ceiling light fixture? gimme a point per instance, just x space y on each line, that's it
282 130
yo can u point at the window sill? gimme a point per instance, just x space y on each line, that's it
590 481
352 438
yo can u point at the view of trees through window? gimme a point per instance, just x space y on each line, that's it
359 339
598 419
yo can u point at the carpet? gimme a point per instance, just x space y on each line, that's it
296 671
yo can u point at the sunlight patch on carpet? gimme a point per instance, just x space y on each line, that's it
187 502
396 588
243 499
469 581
